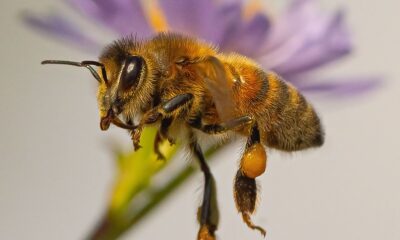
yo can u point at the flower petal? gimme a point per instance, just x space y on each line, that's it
55 24
332 44
229 16
298 17
246 37
305 38
341 87
196 18
123 16
230 1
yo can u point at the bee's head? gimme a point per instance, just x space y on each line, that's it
122 86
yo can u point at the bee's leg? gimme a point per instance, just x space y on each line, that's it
221 127
165 124
161 135
157 141
252 165
149 117
154 114
136 145
176 102
207 214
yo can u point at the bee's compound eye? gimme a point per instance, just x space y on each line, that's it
131 72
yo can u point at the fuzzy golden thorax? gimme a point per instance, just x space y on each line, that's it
136 72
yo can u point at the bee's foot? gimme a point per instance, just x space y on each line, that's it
160 156
168 138
135 135
250 224
171 141
205 233
136 146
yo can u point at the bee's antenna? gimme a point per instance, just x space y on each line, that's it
86 64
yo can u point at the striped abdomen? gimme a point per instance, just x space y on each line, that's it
292 122
286 120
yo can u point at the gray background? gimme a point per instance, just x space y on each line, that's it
56 165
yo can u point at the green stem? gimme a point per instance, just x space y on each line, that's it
161 195
111 228
106 229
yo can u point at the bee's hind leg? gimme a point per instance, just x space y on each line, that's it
252 165
207 214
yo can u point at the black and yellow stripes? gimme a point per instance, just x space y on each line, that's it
296 125
286 120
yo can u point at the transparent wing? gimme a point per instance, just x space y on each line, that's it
216 80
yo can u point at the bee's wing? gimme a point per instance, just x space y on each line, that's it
214 75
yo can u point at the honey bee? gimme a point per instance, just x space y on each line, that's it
186 88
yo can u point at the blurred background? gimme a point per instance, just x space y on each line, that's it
57 167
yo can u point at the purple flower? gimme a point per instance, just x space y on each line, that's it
302 39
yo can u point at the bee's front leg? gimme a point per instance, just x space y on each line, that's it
149 117
160 112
